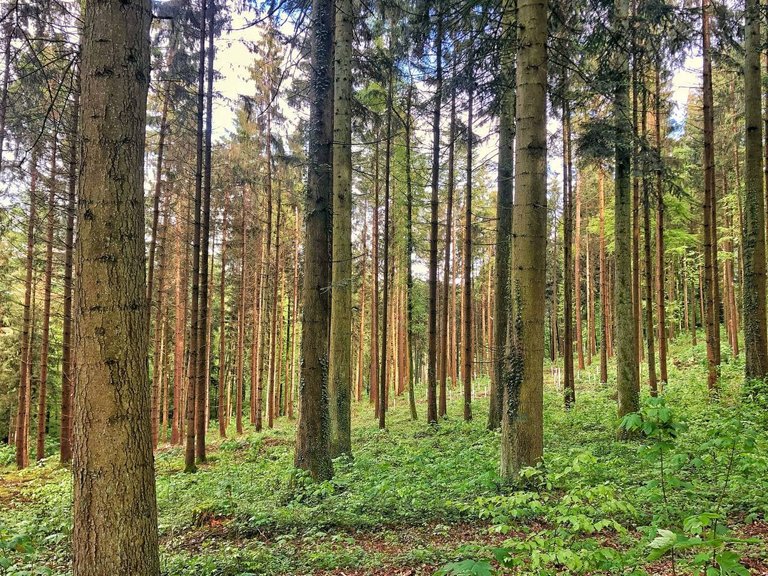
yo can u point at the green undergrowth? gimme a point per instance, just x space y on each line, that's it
430 498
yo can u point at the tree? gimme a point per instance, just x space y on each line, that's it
312 443
340 367
754 224
504 199
627 378
115 512
522 435
434 202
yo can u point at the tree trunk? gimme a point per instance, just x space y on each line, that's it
504 199
295 308
373 377
754 226
115 511
434 204
385 300
648 268
67 366
661 298
312 443
44 346
22 438
443 356
569 388
408 257
274 336
467 356
340 361
223 410
626 332
577 272
522 422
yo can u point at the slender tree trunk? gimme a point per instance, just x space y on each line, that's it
271 407
648 268
385 300
312 442
340 361
504 199
434 203
114 504
467 357
22 438
193 396
67 365
241 324
569 388
44 346
577 273
373 377
180 326
408 260
158 355
661 299
295 308
223 410
443 356
710 266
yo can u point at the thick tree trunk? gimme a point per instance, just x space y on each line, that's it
312 444
340 361
115 511
754 226
522 433
626 332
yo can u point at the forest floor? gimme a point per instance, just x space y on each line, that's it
416 499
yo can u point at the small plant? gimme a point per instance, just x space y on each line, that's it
705 532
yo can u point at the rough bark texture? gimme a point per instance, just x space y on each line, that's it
115 512
340 370
312 446
627 378
754 226
522 435
709 225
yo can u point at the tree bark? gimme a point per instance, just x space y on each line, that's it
115 511
467 356
340 361
312 443
755 343
522 433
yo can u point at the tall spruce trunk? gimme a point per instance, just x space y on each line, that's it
661 296
223 408
373 376
569 388
709 224
67 366
312 442
115 511
340 361
467 356
522 435
504 199
755 343
42 385
434 204
408 256
625 327
22 438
